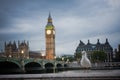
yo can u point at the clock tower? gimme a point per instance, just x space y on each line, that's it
50 39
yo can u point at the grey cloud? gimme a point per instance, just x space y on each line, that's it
73 20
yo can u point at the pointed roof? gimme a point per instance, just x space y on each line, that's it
88 42
14 46
98 42
81 43
106 41
49 23
9 44
49 18
14 43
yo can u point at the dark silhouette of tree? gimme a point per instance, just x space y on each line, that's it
78 56
98 56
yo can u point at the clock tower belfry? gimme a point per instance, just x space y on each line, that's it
50 39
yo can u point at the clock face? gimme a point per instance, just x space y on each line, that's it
48 31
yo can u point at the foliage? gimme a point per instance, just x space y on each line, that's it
78 55
58 59
117 56
65 58
98 56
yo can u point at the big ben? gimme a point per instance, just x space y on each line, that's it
50 39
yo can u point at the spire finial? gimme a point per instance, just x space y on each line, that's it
88 42
98 42
49 15
106 41
49 18
81 43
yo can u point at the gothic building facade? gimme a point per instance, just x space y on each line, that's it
20 50
90 48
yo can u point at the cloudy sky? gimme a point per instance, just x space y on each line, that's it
74 20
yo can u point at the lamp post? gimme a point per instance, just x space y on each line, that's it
55 58
67 60
63 59
22 54
10 56
43 55
27 57
43 66
22 51
54 67
22 61
63 62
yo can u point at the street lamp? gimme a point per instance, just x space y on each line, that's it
55 57
22 51
22 61
63 59
43 54
67 60
63 62
10 56
54 70
27 57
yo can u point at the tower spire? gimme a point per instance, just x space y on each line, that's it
49 15
88 42
50 39
98 42
106 41
49 18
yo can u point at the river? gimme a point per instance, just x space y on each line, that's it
67 75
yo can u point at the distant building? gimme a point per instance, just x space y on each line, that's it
90 48
37 54
20 50
2 54
117 54
34 54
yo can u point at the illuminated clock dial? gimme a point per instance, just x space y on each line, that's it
48 31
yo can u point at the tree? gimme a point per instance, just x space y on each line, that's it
117 56
58 59
65 58
78 56
98 56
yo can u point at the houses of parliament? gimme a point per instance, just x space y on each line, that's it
21 49
12 49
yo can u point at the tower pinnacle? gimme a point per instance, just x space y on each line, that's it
49 18
50 39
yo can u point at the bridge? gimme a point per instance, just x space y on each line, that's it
31 65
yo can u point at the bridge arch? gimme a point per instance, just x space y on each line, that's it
9 67
33 67
65 66
49 67
59 67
